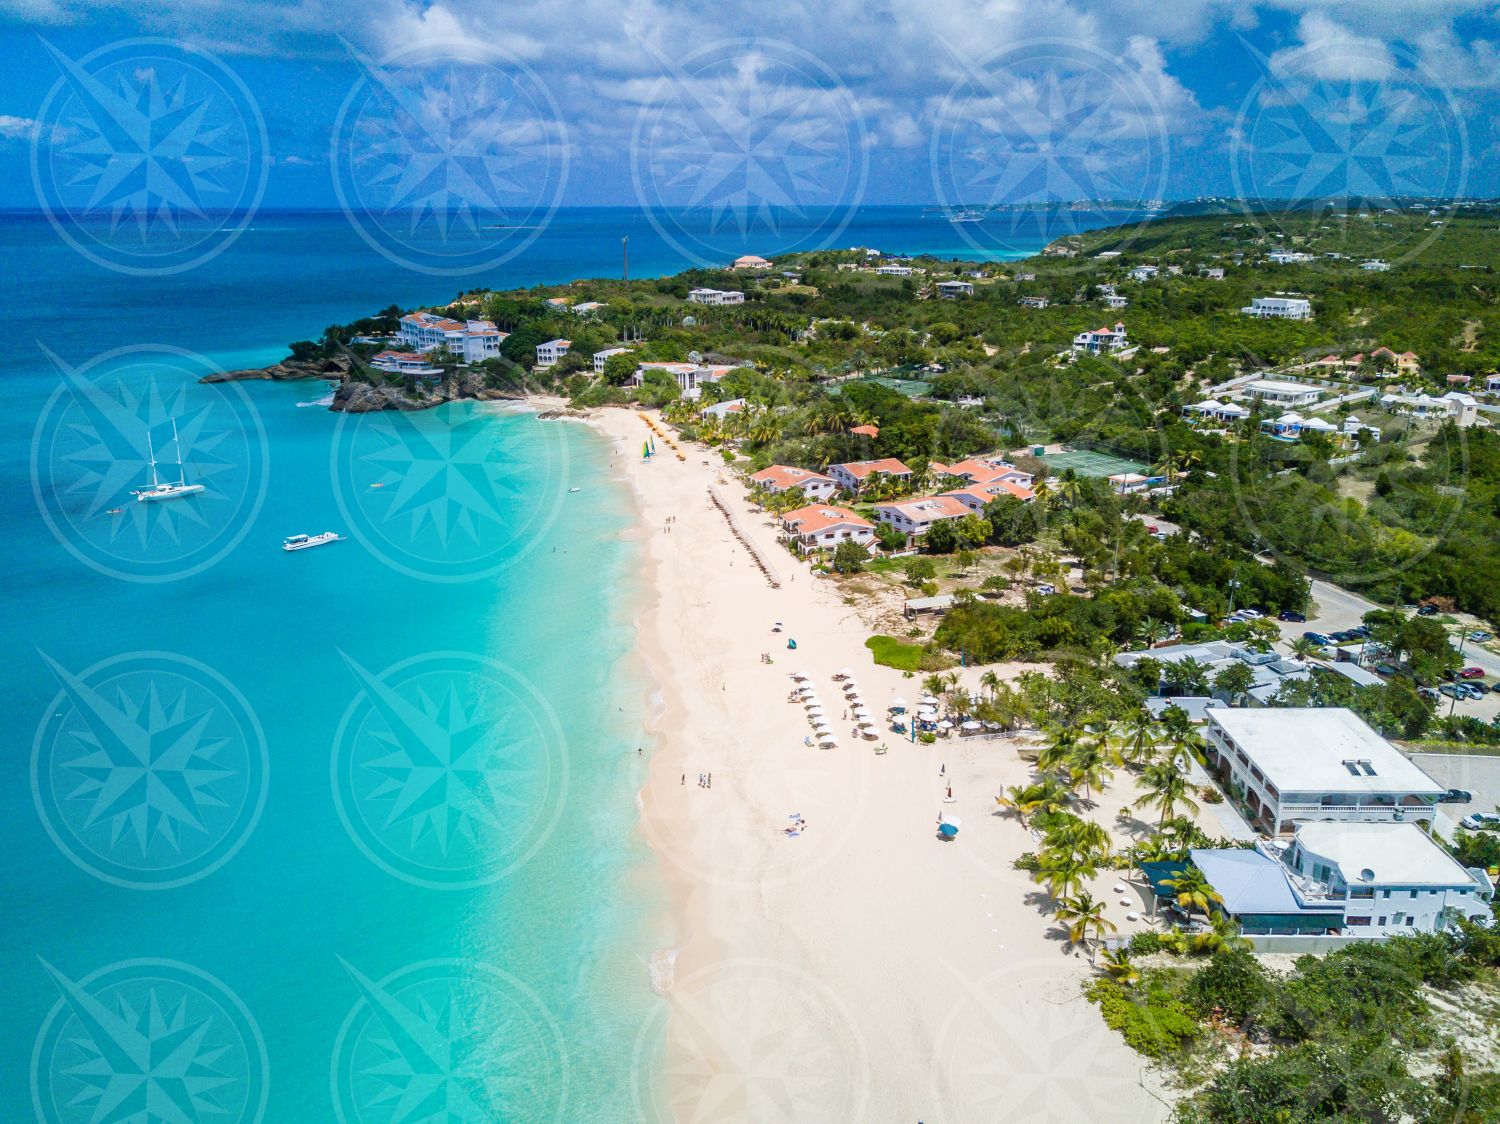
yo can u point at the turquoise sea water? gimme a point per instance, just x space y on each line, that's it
347 833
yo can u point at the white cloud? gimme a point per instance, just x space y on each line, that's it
1331 51
17 128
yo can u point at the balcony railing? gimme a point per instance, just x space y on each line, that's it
1373 813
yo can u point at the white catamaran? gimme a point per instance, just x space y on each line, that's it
161 489
307 542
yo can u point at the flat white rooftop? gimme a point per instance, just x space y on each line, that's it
1321 749
1399 853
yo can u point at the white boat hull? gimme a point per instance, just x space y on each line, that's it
174 493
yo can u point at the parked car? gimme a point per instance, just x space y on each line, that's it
1046 588
1252 614
1427 692
1495 686
1291 615
1470 691
1153 529
1479 636
1386 669
1160 535
1317 638
1456 796
1452 691
1426 610
1471 673
1476 820
1362 631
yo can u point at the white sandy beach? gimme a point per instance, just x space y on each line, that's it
863 970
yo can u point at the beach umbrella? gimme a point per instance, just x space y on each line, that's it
929 699
821 728
927 712
845 673
800 675
811 700
972 725
828 741
861 712
815 712
945 725
898 703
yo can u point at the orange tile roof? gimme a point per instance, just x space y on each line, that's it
929 507
866 430
786 476
888 465
820 517
984 491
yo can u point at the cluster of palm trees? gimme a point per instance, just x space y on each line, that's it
1076 762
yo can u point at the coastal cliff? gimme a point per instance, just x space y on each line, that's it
356 396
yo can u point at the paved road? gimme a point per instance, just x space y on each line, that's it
1480 775
1337 609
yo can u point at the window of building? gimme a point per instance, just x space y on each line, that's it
1385 893
1382 920
1356 921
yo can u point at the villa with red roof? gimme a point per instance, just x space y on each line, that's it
916 517
783 478
980 471
976 496
853 476
822 527
1100 340
405 363
871 431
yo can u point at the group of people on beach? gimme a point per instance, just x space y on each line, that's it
705 780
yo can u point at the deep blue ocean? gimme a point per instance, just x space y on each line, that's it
346 833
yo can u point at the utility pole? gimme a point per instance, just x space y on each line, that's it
625 253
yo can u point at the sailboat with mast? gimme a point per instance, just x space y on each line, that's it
163 489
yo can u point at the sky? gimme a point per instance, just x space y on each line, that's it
117 108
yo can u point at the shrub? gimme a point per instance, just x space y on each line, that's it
1151 1022
1233 982
890 652
1143 944
1210 795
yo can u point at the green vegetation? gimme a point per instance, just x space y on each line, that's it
899 654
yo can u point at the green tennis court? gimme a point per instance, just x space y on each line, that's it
1086 462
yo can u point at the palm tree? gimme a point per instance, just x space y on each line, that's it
1084 839
1167 788
1068 487
1306 649
1084 918
1063 873
1193 890
1049 795
1054 755
1151 632
1088 764
1119 966
1137 740
990 682
1223 932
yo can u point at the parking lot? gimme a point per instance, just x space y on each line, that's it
1479 775
1337 610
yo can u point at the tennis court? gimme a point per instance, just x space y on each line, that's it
1086 462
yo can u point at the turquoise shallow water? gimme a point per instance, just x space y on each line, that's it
347 833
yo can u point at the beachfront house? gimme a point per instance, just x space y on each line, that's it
588 308
1279 307
952 290
784 477
854 475
979 470
1213 409
1144 272
473 341
691 377
1100 340
547 354
1291 765
1353 879
603 357
1375 265
1277 393
1354 426
916 517
716 296
1113 300
1288 257
722 410
822 526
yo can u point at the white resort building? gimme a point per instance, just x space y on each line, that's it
823 527
1278 393
856 474
1292 765
1279 307
716 296
916 517
547 354
690 377
603 357
784 477
405 363
473 341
